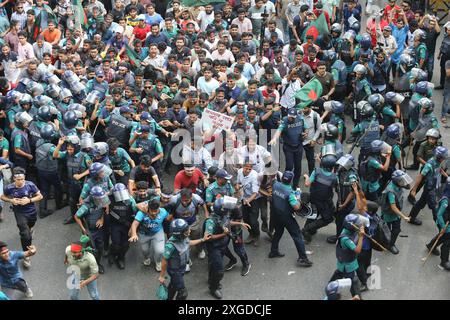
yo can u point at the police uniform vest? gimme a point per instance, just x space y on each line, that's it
121 211
118 128
446 215
379 75
74 165
280 199
34 134
93 215
414 109
66 131
104 183
338 148
360 93
345 52
371 131
148 145
292 134
45 162
344 255
402 85
219 224
62 107
25 143
369 174
434 174
322 186
100 87
116 161
180 258
340 67
385 205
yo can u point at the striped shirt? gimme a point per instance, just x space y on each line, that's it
21 17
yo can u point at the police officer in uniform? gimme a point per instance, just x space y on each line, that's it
221 187
392 138
368 130
93 210
119 126
370 171
284 203
339 72
292 129
217 226
47 167
121 161
348 247
431 173
427 120
443 216
144 143
74 159
121 211
176 258
322 182
392 204
336 117
331 141
98 176
21 151
346 175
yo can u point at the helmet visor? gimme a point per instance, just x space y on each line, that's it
121 195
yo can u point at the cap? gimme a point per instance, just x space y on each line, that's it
319 5
141 17
125 109
145 116
287 177
292 112
223 174
99 73
387 28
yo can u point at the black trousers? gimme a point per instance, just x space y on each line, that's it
25 223
294 162
364 261
428 197
355 288
239 249
283 221
176 285
309 153
251 217
215 263
394 226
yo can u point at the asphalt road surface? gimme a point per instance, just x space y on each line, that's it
401 277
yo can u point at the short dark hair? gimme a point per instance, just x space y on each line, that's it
146 160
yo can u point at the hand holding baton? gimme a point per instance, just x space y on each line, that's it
441 233
370 238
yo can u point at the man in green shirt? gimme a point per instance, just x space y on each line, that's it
392 204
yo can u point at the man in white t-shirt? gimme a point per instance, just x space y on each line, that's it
205 17
222 53
207 83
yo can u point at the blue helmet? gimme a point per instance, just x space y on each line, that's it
44 113
376 146
337 107
95 169
350 220
376 100
329 55
421 87
406 62
328 161
441 153
390 97
70 119
365 42
427 104
97 191
99 196
120 192
178 227
401 179
48 132
218 207
356 27
393 131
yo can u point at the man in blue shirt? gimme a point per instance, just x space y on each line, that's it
151 232
156 36
10 275
400 33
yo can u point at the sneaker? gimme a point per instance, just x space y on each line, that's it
120 264
101 269
216 294
147 262
394 250
29 293
305 263
332 239
230 265
445 265
26 262
188 268
415 222
436 251
363 287
277 254
246 269
158 266
202 254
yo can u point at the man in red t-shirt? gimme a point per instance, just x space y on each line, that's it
190 177
311 59
141 30
389 7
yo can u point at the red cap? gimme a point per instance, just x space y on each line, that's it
75 248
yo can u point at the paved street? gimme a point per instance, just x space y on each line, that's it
402 276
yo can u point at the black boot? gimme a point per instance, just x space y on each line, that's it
332 239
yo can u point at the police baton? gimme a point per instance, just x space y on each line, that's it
370 238
95 129
441 233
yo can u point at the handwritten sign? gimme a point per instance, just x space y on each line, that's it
217 119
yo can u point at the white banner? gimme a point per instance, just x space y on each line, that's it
217 119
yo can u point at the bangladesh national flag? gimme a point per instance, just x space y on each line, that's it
316 27
132 55
79 14
309 93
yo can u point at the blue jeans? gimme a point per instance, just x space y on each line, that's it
430 66
92 289
446 104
